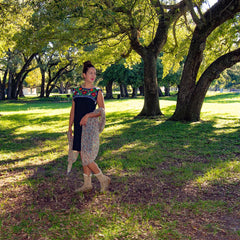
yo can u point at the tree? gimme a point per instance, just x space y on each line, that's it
108 78
16 68
172 79
116 28
193 90
55 71
14 15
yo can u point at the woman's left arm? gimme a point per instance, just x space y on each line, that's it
100 102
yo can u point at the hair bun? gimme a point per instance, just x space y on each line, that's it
87 63
86 66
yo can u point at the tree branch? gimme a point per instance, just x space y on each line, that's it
219 65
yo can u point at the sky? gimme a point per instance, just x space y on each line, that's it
209 4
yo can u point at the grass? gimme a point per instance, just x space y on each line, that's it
170 180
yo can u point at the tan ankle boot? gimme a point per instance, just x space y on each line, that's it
104 181
87 185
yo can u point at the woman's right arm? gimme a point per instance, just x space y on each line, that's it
71 118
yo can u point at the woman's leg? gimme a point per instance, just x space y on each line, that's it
87 176
104 180
87 170
93 167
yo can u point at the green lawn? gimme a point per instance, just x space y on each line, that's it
170 180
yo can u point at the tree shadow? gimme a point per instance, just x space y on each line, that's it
163 173
223 98
15 106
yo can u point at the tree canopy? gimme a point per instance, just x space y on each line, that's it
105 31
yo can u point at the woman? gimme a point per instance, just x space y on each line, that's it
84 103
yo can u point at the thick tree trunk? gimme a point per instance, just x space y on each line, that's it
109 94
191 94
211 73
151 98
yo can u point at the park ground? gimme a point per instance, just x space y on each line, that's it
170 180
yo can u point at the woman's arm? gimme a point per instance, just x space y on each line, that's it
100 102
71 118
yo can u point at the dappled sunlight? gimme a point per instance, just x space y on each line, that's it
221 129
21 168
228 172
166 176
230 113
124 105
37 112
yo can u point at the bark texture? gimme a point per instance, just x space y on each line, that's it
191 94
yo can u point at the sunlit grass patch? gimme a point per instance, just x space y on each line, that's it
224 172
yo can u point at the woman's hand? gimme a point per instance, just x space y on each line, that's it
84 120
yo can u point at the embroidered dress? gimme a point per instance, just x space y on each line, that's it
85 102
89 142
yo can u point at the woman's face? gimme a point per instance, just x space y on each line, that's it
90 75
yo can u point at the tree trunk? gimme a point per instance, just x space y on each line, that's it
9 91
49 88
191 95
125 90
151 98
20 90
167 90
18 81
3 85
42 83
141 90
43 71
134 92
61 89
160 92
211 73
52 81
20 84
14 88
2 90
109 94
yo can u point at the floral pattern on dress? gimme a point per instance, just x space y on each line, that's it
86 92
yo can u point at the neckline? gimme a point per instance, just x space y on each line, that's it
88 88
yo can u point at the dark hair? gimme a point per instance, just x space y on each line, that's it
86 66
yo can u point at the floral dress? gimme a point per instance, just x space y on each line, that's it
85 102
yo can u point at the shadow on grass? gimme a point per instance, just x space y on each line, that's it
30 139
223 98
152 163
12 106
